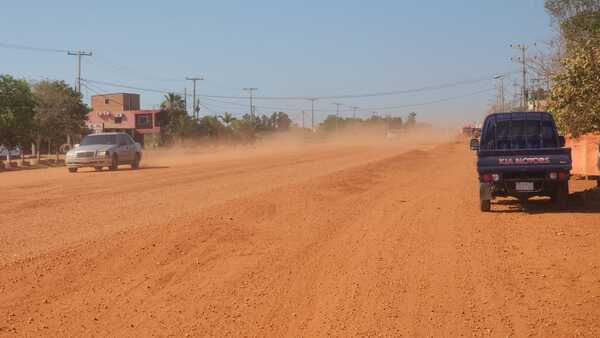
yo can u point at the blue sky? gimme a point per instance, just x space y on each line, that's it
285 48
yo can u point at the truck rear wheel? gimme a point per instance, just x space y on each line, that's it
561 195
485 205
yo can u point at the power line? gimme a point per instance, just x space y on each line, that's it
120 69
354 109
292 98
159 91
36 49
430 102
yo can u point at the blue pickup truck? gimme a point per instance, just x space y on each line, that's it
520 154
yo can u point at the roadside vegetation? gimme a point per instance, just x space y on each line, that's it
50 114
575 94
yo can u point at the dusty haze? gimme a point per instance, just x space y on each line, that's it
353 236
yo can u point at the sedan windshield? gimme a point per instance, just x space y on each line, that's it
99 139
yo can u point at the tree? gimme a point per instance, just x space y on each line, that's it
329 124
244 129
177 124
395 122
173 102
210 126
16 111
575 96
411 120
227 118
59 112
578 21
280 121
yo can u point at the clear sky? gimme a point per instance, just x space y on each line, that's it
284 48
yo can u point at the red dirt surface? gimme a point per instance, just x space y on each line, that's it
340 240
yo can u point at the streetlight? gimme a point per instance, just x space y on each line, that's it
500 91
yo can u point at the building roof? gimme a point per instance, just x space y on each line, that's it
108 94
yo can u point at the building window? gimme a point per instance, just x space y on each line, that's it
143 121
106 100
157 117
118 119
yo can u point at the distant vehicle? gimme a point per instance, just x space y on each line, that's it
104 150
12 153
521 155
471 130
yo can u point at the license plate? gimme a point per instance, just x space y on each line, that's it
524 186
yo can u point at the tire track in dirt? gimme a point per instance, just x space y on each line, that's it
394 247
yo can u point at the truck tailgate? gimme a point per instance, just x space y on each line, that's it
524 160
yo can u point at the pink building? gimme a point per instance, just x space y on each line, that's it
121 112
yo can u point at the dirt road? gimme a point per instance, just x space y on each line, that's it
344 241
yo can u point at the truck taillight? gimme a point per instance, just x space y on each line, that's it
563 175
487 178
553 176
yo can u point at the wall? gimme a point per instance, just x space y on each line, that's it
116 102
584 151
98 120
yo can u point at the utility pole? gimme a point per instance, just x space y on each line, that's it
337 115
251 91
523 60
499 92
195 108
303 121
185 99
79 54
535 85
312 114
387 124
354 109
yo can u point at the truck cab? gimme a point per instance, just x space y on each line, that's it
521 155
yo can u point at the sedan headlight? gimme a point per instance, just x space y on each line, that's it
102 153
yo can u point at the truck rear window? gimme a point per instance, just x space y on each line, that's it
519 134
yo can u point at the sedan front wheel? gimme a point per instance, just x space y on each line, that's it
136 162
114 163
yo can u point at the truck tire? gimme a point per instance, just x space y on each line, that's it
485 205
114 163
561 195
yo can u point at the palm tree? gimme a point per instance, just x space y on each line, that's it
173 102
227 118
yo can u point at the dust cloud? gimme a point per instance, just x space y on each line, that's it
296 142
